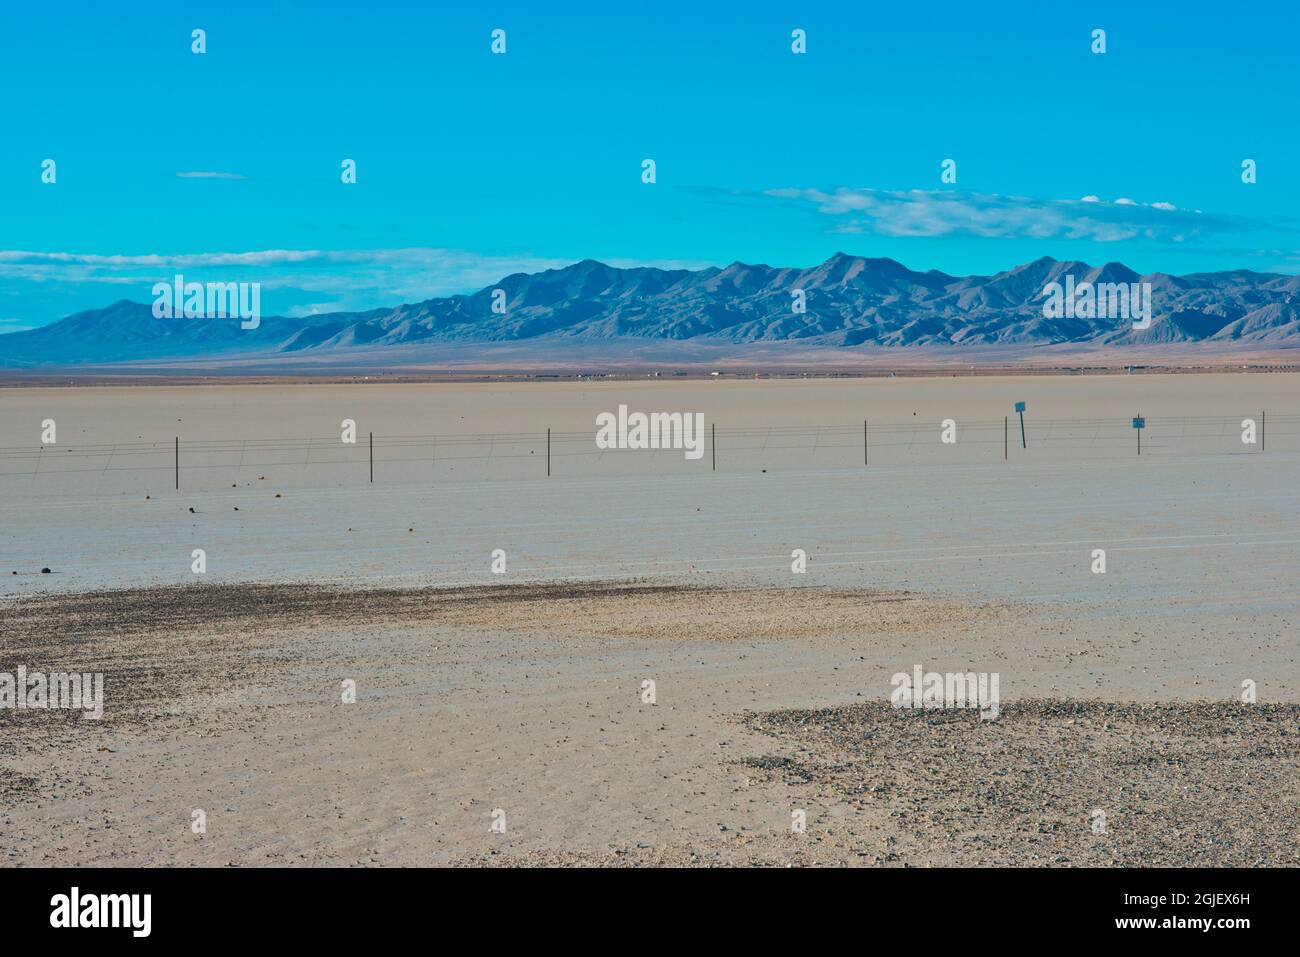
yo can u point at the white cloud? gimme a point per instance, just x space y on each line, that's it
202 174
307 281
927 213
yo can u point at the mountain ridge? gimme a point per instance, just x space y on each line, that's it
850 301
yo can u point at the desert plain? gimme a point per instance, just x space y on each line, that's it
446 655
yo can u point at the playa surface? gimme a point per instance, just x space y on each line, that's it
524 692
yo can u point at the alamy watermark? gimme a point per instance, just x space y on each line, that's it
75 909
36 690
933 689
651 430
213 300
1103 300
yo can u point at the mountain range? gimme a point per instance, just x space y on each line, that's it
850 301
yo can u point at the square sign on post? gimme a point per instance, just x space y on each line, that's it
1139 424
1020 411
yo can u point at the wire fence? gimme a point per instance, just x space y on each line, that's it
195 462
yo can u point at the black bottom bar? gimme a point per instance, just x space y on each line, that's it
1047 907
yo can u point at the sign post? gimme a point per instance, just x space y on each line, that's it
1020 411
1139 424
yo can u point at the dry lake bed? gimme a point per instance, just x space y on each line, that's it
646 657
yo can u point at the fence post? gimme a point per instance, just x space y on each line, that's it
864 442
1261 431
372 458
548 453
178 463
714 426
1006 436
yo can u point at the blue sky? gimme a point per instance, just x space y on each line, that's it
471 166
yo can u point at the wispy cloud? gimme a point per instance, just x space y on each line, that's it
393 274
912 213
302 281
204 174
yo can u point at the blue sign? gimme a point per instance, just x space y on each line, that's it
1020 407
1139 422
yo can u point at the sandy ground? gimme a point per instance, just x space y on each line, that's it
523 692
530 700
